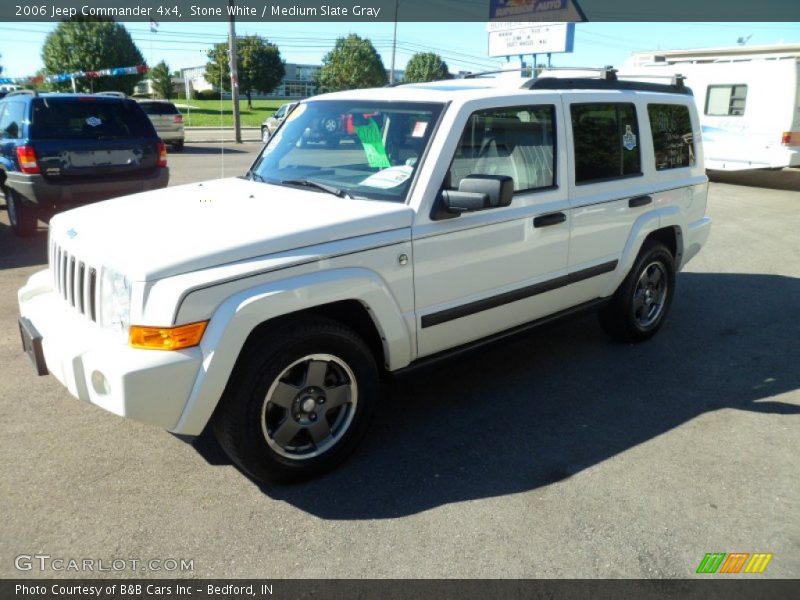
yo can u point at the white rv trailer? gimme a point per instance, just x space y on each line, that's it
748 99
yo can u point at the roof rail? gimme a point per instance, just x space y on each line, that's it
610 81
22 93
495 72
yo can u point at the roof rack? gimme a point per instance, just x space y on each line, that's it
22 93
495 72
608 80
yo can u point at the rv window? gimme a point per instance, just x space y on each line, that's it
606 140
671 127
726 100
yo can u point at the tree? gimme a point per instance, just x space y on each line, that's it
353 63
161 80
258 62
82 45
426 66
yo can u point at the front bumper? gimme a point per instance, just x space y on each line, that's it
97 366
39 191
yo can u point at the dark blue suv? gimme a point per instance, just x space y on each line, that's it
58 151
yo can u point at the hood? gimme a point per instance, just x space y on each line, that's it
185 228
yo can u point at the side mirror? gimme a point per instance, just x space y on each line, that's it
478 192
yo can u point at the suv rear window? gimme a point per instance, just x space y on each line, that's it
88 118
606 141
159 108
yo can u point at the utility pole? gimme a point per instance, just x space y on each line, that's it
237 124
394 43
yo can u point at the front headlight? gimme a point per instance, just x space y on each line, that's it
115 300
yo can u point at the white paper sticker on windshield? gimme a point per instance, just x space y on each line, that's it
419 129
389 178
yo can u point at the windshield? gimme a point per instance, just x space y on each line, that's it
362 149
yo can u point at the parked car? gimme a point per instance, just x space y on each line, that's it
271 124
462 212
167 120
58 151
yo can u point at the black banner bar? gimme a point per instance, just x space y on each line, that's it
408 10
712 587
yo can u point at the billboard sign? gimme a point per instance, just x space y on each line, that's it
543 38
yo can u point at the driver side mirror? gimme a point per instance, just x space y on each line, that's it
476 192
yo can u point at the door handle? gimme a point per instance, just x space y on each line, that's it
640 201
551 219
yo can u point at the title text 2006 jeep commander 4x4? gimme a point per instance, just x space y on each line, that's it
268 305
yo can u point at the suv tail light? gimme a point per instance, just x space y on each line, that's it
177 119
26 156
790 138
162 154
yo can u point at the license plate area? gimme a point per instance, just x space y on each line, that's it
32 345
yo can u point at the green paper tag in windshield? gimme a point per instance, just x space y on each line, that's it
370 136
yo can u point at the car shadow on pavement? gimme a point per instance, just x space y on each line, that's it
784 179
526 413
18 251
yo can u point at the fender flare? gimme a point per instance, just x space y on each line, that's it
646 224
236 318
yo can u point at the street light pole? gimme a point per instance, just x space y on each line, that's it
237 124
394 43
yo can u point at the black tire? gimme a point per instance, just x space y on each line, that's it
332 141
177 146
636 313
23 218
247 423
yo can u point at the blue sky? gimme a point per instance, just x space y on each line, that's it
463 45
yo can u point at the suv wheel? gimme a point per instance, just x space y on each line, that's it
23 218
177 146
298 402
640 305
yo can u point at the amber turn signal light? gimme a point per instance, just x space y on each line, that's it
167 338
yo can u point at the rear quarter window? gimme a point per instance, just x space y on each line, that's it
85 118
673 141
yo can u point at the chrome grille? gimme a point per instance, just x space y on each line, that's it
75 281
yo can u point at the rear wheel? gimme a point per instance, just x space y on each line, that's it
23 218
298 402
640 305
177 146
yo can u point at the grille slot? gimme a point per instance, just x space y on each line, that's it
75 281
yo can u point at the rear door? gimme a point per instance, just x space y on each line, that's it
92 136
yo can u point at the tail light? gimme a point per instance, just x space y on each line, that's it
162 154
177 119
790 138
27 160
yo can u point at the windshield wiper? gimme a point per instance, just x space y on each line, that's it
316 185
255 177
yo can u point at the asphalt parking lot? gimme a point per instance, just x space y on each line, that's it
558 454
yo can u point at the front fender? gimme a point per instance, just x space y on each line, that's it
240 314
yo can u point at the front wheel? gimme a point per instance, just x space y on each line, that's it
23 218
640 305
298 402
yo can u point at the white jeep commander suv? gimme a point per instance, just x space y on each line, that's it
269 305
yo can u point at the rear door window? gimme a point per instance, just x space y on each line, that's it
606 140
88 118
